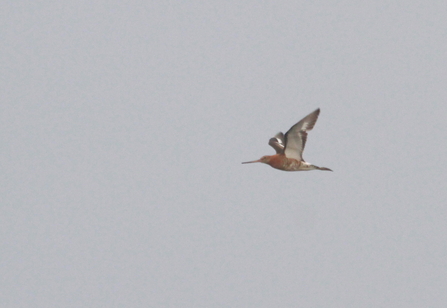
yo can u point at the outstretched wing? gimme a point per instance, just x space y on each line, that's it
277 143
295 138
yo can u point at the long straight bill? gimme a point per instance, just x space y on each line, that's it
253 161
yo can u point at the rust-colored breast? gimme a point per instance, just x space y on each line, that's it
281 162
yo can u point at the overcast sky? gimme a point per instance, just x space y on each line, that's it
124 124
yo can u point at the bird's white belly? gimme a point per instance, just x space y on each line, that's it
305 166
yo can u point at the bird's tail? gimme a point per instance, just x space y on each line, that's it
323 168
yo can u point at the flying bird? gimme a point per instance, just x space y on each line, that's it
289 147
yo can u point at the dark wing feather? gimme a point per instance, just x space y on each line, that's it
296 136
277 143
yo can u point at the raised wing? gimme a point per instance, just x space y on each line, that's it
295 138
277 143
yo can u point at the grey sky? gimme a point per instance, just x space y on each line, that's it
123 129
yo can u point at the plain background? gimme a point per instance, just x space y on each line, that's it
124 125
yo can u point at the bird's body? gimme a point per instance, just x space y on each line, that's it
289 147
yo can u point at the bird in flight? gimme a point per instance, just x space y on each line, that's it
289 147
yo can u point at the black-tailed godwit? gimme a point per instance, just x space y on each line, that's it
289 147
